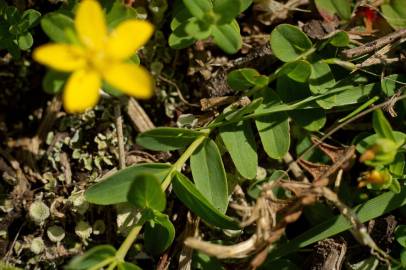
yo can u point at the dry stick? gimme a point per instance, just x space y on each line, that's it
139 118
67 168
374 45
295 168
120 136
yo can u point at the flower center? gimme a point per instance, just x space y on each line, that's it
98 60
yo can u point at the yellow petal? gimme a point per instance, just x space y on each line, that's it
90 24
130 79
61 57
128 37
81 91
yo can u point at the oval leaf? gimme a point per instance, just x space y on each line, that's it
298 71
227 37
159 234
288 42
198 204
321 78
273 128
246 78
209 174
146 192
240 143
198 8
54 24
114 188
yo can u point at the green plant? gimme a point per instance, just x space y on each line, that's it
15 28
306 89
198 20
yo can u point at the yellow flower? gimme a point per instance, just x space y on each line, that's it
100 56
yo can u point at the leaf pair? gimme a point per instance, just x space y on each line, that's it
15 27
200 19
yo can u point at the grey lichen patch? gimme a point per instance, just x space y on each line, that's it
83 230
78 201
37 245
39 212
56 233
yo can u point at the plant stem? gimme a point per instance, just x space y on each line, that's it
102 263
126 245
183 158
120 136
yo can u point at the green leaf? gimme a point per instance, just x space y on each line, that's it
321 78
197 29
11 47
394 12
119 13
227 37
30 17
11 15
390 84
198 8
395 186
226 10
25 41
403 257
309 119
55 25
246 78
372 209
159 234
179 39
347 95
400 235
244 4
240 143
114 188
53 81
273 128
146 193
209 174
340 39
92 257
127 266
288 42
329 8
382 126
198 204
397 167
167 139
181 15
298 70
